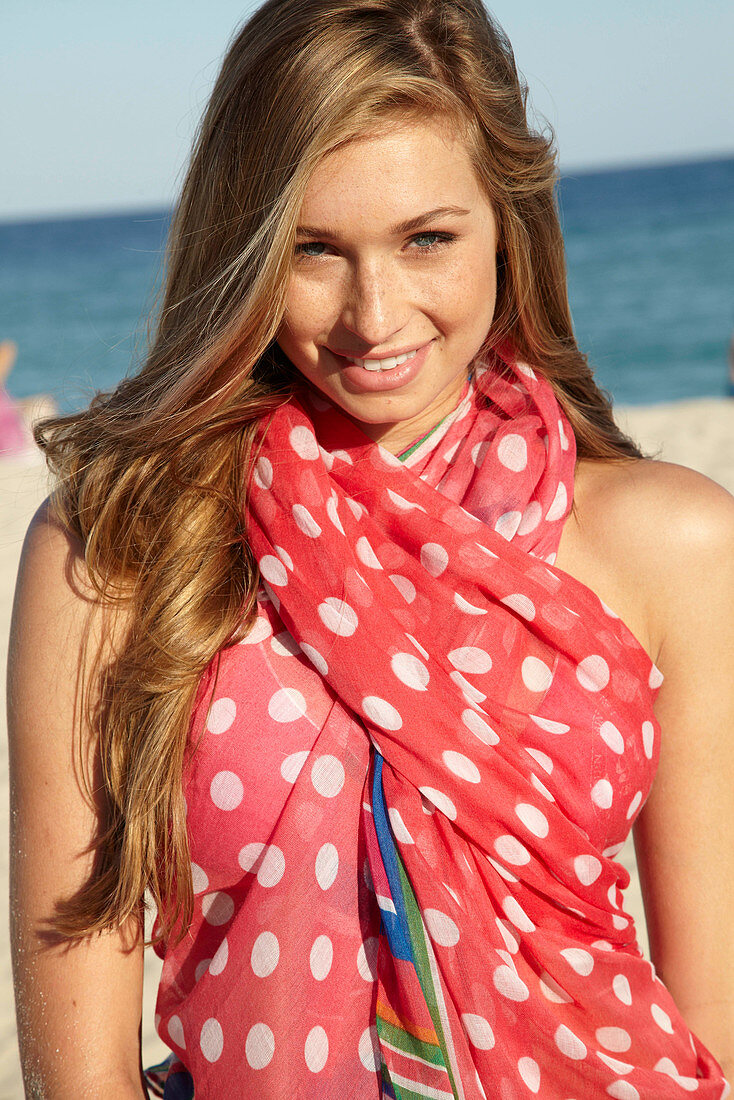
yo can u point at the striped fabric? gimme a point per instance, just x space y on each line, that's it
411 1019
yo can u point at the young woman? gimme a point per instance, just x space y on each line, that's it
314 639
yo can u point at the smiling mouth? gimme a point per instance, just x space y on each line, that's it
384 364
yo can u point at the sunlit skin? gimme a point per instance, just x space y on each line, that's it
358 286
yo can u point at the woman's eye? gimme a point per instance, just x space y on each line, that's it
435 240
301 249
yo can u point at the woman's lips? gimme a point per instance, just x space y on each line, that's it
361 380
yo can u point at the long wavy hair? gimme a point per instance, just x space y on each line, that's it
152 477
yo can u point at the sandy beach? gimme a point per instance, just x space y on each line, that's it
697 433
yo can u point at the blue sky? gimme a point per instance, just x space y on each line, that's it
100 100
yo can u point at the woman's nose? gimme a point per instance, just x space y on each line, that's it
375 306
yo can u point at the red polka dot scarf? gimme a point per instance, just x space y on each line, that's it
492 740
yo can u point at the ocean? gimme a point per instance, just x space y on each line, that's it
650 255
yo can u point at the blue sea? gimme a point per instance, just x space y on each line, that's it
650 256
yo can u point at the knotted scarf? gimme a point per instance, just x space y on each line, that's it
411 780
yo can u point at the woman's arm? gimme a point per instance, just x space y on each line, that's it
78 1006
684 836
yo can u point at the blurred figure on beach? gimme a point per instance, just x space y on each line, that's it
17 417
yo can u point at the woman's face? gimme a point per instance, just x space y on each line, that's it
395 256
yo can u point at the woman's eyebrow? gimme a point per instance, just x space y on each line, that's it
396 230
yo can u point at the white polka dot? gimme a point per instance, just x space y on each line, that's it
263 473
541 787
613 1038
569 1044
259 1046
305 521
272 867
549 726
284 644
479 727
176 1032
623 1090
367 958
656 677
668 1066
366 554
512 451
337 616
579 960
545 761
562 434
434 558
552 991
327 865
523 368
265 954
461 766
602 794
506 875
322 956
291 767
315 658
648 738
514 912
470 693
418 646
536 675
558 508
410 671
201 969
316 1050
259 631
199 879
478 1030
531 517
512 944
466 607
634 804
661 1018
508 524
614 1064
593 673
284 557
405 587
521 604
621 987
587 868
509 984
220 960
529 1071
441 801
211 1040
327 776
369 1049
470 659
402 504
533 820
382 713
611 735
286 705
272 863
619 921
441 928
399 828
303 442
511 850
221 715
273 570
226 790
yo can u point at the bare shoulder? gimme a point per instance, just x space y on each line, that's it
648 536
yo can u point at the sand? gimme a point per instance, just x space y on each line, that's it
697 433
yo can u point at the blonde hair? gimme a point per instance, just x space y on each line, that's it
152 477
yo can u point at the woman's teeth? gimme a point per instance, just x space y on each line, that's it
384 364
